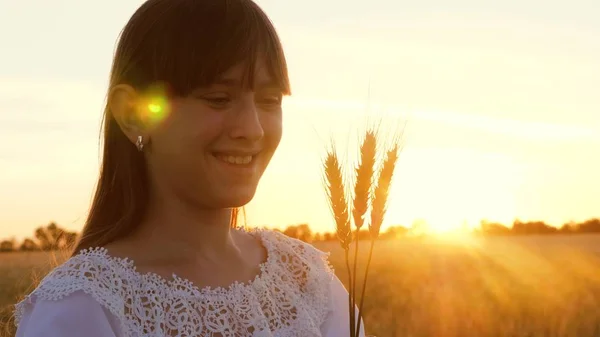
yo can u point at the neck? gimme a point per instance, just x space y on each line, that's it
177 226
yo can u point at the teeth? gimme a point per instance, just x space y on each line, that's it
239 160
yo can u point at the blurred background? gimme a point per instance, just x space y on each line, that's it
496 188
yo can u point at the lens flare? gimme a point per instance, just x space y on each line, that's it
154 106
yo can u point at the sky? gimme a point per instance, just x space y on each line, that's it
499 102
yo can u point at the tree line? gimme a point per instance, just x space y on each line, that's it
486 228
53 237
538 228
45 238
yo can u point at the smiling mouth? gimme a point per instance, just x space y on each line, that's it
235 159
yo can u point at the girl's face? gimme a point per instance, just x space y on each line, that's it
214 145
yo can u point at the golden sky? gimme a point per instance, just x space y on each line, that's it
501 102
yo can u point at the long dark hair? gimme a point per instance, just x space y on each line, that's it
184 44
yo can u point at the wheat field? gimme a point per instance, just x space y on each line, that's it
512 286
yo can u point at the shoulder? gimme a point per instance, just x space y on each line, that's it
308 265
288 243
77 314
323 290
307 254
87 282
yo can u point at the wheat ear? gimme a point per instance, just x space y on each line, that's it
364 178
339 207
379 207
362 194
381 192
337 198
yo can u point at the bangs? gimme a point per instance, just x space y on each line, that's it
187 44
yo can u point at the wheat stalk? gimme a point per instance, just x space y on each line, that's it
339 207
362 196
367 195
378 210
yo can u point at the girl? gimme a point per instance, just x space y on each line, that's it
192 119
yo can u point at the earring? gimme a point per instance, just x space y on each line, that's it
140 143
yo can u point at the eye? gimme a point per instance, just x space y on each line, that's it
217 101
269 100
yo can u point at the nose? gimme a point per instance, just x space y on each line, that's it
246 123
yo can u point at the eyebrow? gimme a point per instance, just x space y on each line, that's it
230 82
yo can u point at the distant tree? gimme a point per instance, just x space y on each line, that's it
305 233
363 234
291 231
29 245
7 246
65 240
328 237
318 237
43 237
53 237
419 227
532 227
589 226
394 232
493 228
568 228
301 232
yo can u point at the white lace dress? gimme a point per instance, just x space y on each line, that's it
93 294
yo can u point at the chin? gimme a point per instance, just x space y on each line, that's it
236 198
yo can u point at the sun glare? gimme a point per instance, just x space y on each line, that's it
471 188
154 108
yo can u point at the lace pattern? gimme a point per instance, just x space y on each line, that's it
288 298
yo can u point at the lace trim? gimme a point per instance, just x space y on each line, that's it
290 294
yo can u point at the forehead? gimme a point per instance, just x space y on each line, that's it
259 76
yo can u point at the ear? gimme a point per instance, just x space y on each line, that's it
123 104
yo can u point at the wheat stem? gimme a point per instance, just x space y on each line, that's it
362 194
350 299
339 207
379 204
362 296
354 284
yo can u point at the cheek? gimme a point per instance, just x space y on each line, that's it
188 127
273 127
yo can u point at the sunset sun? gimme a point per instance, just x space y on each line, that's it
472 188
